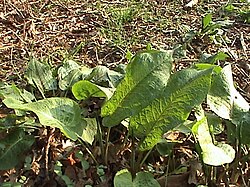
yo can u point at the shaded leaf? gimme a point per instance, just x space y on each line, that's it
123 178
90 130
40 75
146 76
13 147
185 89
62 113
105 77
69 73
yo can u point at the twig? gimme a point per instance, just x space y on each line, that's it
47 153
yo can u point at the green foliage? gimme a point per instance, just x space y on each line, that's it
222 95
206 21
214 155
40 76
146 93
184 90
13 148
83 90
90 130
62 113
69 73
123 178
65 178
146 75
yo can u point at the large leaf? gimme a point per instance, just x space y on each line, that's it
223 94
146 76
13 147
40 75
186 89
214 155
123 178
84 89
70 72
62 113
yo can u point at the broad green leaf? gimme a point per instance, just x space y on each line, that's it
15 93
206 20
11 91
62 113
69 73
90 130
123 178
185 89
84 89
105 77
40 75
223 94
13 148
214 155
146 76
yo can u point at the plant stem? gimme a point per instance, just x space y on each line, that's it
99 134
145 157
133 170
107 147
88 150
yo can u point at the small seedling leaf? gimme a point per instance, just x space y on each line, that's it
206 21
90 130
146 76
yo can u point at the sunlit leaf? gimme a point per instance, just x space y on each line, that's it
206 20
214 155
223 94
84 89
104 77
62 113
146 76
185 89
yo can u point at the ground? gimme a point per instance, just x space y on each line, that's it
101 33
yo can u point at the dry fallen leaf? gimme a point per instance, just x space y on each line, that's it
191 3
